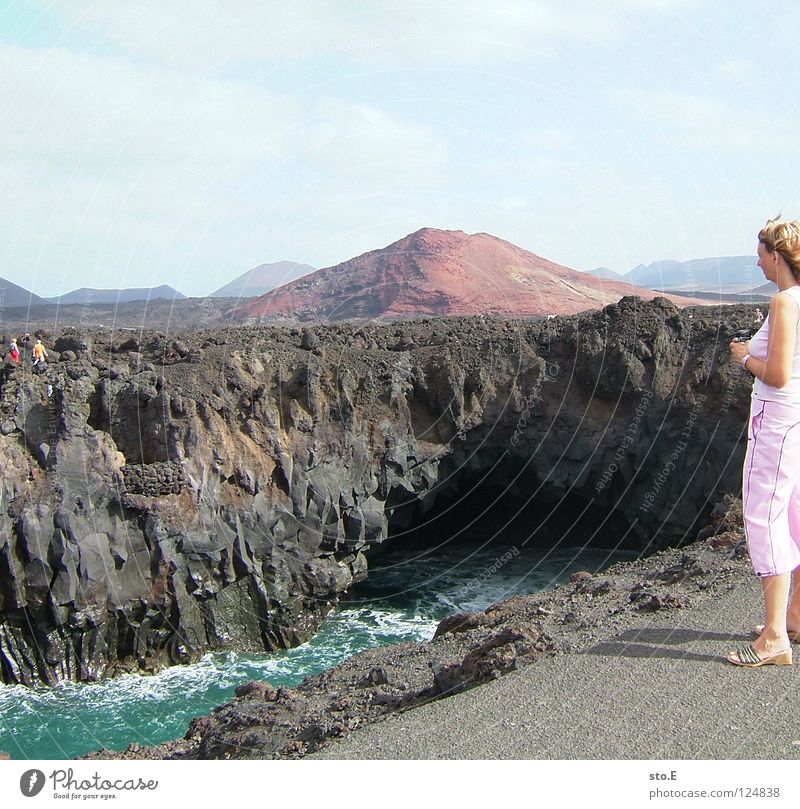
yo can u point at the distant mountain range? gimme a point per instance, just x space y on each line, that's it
437 272
608 275
86 295
768 289
262 279
726 275
440 272
250 284
13 295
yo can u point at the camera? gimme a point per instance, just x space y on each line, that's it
742 335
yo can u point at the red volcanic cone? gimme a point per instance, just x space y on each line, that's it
441 272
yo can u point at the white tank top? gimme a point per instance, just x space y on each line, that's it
790 392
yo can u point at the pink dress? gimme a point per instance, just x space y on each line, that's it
771 474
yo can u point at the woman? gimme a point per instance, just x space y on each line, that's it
771 474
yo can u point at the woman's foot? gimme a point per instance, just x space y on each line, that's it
794 634
751 658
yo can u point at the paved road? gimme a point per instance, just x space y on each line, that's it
662 692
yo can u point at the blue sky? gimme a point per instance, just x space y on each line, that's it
178 142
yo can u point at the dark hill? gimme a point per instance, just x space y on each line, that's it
14 295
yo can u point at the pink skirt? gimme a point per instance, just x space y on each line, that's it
771 487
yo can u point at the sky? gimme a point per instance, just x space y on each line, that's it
177 142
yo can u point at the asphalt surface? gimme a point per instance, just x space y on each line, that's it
664 691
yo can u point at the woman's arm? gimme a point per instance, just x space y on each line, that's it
776 370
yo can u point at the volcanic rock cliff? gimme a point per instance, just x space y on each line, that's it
164 496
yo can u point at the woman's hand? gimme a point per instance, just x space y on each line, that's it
739 351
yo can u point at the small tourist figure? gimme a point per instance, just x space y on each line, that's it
14 351
39 353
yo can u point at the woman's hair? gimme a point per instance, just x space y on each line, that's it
785 238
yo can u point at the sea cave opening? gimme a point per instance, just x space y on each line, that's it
482 535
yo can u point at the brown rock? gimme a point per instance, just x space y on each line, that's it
263 691
461 622
503 651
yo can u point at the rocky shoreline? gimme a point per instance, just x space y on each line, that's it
468 649
169 495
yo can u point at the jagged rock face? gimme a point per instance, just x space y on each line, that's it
222 490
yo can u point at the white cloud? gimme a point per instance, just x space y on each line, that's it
583 211
159 161
109 159
654 5
711 124
551 139
739 71
373 32
109 164
53 101
368 149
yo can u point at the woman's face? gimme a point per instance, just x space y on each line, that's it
766 261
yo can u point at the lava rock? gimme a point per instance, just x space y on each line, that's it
263 691
461 622
377 676
309 340
503 651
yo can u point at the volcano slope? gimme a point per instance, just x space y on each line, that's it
170 495
439 273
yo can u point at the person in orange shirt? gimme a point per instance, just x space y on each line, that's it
39 353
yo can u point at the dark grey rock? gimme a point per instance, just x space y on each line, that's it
229 501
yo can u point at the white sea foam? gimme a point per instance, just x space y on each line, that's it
399 603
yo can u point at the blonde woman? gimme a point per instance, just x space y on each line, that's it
771 474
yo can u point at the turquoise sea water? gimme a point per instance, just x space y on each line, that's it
406 596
